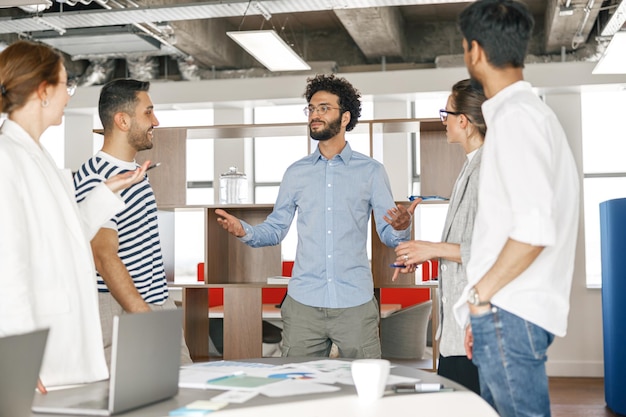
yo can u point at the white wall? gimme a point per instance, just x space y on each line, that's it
580 353
79 146
396 147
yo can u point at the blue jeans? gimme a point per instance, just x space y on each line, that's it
510 354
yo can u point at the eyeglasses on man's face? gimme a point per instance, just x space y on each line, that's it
70 85
322 109
443 114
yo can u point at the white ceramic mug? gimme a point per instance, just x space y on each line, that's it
370 378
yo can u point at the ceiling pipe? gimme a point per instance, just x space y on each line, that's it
37 7
75 2
579 39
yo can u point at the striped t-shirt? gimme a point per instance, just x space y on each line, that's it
136 225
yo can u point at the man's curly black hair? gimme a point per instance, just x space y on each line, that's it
349 97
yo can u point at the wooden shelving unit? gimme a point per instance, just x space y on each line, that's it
227 260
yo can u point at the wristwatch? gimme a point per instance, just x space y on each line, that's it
474 299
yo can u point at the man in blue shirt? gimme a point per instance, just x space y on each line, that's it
330 296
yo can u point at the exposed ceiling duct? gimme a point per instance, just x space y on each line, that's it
353 34
98 72
142 68
189 71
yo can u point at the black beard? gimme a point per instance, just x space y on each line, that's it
331 130
139 139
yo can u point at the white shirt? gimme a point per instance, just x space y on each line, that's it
47 275
529 192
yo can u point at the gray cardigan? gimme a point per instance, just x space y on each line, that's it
458 228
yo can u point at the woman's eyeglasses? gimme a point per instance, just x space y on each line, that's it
443 114
70 85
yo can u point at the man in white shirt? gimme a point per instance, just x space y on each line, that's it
523 245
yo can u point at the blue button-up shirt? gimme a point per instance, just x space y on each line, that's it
333 199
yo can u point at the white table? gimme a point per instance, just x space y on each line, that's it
444 404
343 403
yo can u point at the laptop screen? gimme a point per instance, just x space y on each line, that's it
20 361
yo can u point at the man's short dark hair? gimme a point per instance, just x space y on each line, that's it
501 27
349 97
119 96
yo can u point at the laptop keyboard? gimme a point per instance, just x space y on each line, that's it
89 398
94 404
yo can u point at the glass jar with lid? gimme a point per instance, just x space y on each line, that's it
233 187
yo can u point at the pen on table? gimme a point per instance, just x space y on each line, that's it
420 387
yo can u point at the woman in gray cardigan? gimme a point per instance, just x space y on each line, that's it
465 126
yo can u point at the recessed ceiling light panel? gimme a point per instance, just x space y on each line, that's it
269 49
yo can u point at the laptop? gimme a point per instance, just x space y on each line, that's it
145 362
20 362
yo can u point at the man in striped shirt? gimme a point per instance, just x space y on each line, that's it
127 249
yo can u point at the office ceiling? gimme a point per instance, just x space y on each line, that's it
178 40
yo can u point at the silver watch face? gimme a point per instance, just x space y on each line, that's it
472 297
